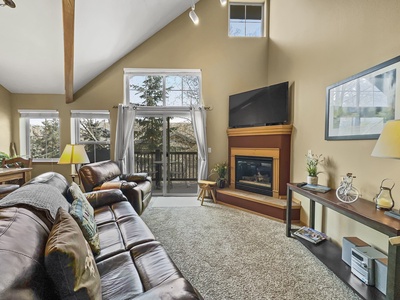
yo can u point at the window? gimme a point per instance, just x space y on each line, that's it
152 87
40 134
92 129
246 20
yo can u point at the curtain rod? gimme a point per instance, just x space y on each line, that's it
136 107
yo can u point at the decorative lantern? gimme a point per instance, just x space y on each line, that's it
384 199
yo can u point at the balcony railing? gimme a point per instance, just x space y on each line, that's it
181 166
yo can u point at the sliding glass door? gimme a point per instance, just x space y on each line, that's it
165 147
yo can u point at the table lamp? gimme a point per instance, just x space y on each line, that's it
387 146
73 155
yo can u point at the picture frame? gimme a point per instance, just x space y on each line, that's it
358 107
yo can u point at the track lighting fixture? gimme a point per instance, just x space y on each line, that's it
223 2
193 16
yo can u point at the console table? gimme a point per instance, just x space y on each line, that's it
362 211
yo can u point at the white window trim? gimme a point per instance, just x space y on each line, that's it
128 72
25 116
263 17
87 114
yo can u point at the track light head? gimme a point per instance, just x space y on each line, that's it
193 16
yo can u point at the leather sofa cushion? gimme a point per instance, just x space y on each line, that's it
111 242
153 264
103 215
23 275
113 212
134 231
69 260
119 277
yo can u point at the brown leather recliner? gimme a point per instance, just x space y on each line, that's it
106 175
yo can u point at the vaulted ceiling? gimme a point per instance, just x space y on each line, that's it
32 42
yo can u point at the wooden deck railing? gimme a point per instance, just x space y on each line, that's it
182 166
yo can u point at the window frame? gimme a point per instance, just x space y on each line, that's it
24 130
129 72
76 115
245 4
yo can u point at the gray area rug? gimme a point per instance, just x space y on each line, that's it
231 254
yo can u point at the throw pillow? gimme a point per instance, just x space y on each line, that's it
83 213
69 260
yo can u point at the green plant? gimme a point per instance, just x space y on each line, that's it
312 164
221 169
4 155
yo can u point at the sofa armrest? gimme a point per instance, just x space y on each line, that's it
105 197
135 177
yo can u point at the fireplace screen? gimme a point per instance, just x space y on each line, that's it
254 174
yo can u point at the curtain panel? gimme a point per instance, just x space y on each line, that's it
124 137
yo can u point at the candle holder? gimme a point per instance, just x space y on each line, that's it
384 199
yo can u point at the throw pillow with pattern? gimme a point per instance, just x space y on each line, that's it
83 213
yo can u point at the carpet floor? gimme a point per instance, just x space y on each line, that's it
227 253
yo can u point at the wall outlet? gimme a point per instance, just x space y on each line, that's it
309 153
209 150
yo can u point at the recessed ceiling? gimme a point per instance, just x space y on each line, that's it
32 50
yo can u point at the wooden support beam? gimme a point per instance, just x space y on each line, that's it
68 23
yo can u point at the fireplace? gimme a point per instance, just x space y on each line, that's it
254 174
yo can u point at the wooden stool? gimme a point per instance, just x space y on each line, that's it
206 186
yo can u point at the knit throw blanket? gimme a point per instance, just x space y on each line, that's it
39 196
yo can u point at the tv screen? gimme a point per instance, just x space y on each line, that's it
264 106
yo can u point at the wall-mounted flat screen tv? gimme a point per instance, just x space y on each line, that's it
264 106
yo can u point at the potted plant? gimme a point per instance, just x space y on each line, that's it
221 169
312 167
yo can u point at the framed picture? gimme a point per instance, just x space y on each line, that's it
358 107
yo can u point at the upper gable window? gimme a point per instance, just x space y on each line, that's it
246 20
154 87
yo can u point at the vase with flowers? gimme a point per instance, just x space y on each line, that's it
312 167
221 169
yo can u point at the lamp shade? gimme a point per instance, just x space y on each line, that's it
388 144
73 154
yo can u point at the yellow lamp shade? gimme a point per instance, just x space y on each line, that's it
73 154
388 144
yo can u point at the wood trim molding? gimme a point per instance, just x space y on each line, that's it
260 130
68 7
259 152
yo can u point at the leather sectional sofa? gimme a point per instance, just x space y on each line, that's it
131 263
107 175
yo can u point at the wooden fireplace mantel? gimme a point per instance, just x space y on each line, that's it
261 130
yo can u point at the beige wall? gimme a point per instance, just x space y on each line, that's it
229 65
314 44
5 120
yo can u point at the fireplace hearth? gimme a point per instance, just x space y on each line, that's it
254 174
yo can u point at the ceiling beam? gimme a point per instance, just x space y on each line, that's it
68 23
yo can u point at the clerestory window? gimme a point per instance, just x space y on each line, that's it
165 88
246 20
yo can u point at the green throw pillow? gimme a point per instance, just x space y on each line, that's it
69 261
83 213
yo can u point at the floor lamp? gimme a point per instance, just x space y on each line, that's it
73 155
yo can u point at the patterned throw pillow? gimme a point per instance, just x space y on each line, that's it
69 261
83 213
